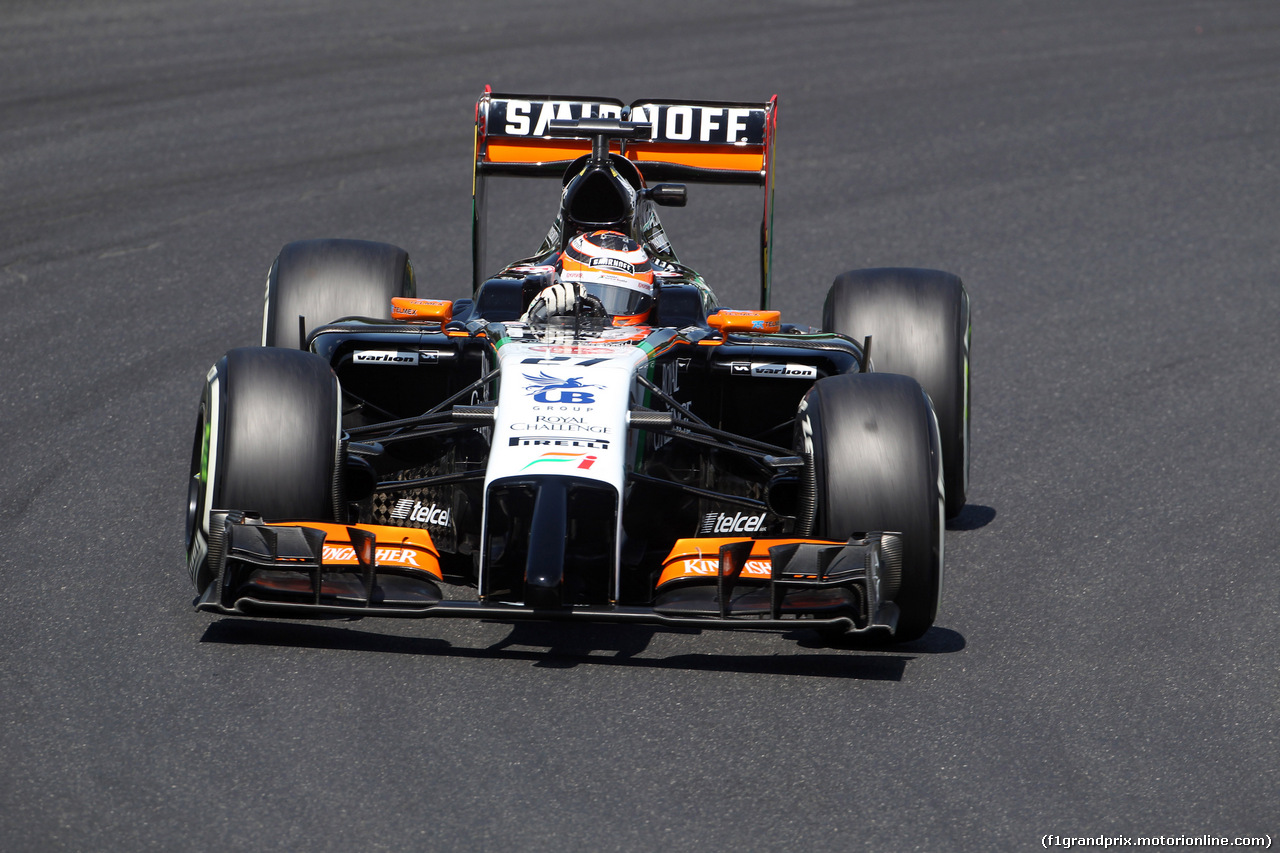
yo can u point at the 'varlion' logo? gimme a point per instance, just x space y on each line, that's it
785 371
379 356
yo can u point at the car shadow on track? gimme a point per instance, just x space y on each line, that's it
972 517
937 641
566 647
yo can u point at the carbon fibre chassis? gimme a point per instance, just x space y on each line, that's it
802 576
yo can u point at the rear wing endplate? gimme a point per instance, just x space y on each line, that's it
727 142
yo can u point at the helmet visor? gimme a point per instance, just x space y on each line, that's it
620 301
621 296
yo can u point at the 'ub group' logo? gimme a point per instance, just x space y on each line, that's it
551 389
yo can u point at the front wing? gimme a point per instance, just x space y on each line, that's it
314 570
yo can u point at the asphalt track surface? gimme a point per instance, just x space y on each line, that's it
1102 175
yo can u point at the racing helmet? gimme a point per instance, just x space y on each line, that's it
612 268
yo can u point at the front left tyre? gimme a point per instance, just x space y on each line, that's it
871 440
267 440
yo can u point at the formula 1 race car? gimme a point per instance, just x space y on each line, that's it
587 435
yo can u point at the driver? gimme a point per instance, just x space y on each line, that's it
608 272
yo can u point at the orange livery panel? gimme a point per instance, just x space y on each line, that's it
692 559
398 547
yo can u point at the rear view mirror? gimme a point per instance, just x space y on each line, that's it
668 195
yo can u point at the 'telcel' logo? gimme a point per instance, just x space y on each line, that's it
719 522
407 509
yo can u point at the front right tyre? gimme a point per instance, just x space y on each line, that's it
267 440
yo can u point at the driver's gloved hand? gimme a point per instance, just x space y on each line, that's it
555 300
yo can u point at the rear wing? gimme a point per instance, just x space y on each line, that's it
727 142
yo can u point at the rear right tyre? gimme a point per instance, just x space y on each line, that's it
321 281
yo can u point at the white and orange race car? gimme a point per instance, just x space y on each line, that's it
541 449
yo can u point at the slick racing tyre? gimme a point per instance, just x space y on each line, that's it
326 280
919 325
267 441
873 442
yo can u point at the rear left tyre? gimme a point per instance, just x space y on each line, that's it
920 326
